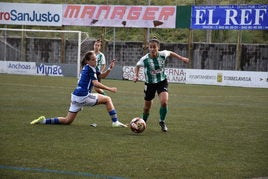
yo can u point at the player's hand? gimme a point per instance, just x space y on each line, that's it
112 64
185 60
113 89
135 79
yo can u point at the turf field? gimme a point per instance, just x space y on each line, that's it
214 132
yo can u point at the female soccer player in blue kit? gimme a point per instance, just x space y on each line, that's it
82 95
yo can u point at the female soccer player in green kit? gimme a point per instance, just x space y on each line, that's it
155 79
101 63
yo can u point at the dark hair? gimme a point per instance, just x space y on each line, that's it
98 40
86 58
154 39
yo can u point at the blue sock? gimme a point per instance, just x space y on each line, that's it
113 115
52 121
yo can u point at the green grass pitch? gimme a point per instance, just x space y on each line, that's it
214 132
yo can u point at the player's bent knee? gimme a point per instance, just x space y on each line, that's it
108 99
164 104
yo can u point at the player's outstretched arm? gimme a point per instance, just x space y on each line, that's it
184 59
102 86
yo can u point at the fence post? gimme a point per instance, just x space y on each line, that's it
23 45
238 51
62 52
190 48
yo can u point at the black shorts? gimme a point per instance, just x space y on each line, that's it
151 88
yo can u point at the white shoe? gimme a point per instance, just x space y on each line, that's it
118 124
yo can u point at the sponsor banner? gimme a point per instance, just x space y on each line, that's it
119 16
30 68
15 67
227 78
230 17
49 70
245 79
31 14
174 75
207 77
129 73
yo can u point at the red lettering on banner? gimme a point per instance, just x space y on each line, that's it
134 13
106 10
149 13
118 12
166 12
101 14
4 15
89 11
72 11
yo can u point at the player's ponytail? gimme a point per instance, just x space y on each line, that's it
86 58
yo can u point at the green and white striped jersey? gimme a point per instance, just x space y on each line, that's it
100 60
154 68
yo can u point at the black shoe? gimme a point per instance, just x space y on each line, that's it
163 126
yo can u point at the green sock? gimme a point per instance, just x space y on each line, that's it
103 93
145 116
163 113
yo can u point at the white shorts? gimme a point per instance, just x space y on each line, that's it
77 102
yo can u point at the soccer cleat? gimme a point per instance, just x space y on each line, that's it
163 126
38 120
118 124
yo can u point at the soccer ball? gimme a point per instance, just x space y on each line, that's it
137 125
